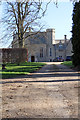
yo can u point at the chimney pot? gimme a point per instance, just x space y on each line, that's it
65 37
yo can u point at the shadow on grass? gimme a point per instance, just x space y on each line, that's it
26 64
22 69
18 72
13 70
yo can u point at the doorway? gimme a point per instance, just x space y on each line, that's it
32 59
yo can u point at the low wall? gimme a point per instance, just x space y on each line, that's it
13 55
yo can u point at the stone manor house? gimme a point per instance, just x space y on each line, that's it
43 47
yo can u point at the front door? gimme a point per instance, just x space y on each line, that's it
32 59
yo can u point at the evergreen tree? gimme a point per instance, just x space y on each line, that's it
76 34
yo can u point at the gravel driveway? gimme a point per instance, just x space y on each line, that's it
51 92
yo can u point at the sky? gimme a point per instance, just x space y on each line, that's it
59 18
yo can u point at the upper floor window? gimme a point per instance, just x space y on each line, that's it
41 52
60 47
50 52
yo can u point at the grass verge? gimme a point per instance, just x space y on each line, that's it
13 70
68 63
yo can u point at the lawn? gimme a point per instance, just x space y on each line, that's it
68 63
13 70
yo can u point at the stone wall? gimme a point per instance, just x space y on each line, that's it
34 50
69 49
50 34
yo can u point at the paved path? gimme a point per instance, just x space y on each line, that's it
51 92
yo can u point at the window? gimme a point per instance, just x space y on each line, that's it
41 52
50 52
60 47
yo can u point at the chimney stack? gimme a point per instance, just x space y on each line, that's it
65 38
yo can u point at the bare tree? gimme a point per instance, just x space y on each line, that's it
20 17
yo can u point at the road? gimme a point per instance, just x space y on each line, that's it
51 92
